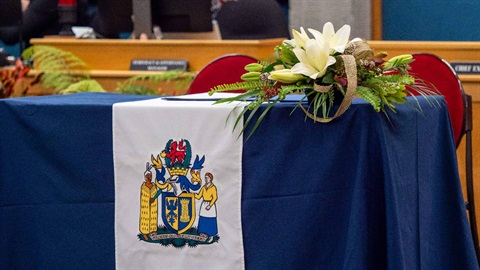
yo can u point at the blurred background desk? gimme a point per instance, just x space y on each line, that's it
109 59
116 54
357 193
109 56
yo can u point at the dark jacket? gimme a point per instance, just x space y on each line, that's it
39 19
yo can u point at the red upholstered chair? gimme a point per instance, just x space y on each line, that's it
432 69
225 69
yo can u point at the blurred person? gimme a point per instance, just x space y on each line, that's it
217 5
40 18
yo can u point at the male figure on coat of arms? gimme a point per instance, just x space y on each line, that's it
148 204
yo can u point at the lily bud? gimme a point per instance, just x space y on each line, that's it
381 54
251 76
399 60
253 67
285 76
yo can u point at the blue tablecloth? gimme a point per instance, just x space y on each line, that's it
358 193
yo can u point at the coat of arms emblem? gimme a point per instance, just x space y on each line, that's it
171 190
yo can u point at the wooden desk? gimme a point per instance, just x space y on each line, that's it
57 204
114 54
110 60
109 79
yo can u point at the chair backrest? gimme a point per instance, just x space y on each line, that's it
436 71
225 69
432 69
252 19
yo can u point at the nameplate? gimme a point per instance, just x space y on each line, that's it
158 64
466 67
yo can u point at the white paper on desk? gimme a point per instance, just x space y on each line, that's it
143 129
202 96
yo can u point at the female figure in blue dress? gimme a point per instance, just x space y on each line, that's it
207 222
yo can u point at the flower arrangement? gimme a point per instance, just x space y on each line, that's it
13 82
329 69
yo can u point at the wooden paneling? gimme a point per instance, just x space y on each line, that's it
377 20
109 79
106 54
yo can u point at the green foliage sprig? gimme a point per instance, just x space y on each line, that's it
60 69
142 84
65 73
87 85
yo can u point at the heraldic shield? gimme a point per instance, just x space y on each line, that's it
178 213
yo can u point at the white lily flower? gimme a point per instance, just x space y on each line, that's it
299 38
314 60
337 41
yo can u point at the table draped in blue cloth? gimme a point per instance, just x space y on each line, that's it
362 192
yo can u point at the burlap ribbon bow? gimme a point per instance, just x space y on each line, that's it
356 50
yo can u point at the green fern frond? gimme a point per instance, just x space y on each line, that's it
132 85
397 78
264 63
83 86
134 89
59 68
57 80
163 76
239 86
50 58
369 95
295 88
